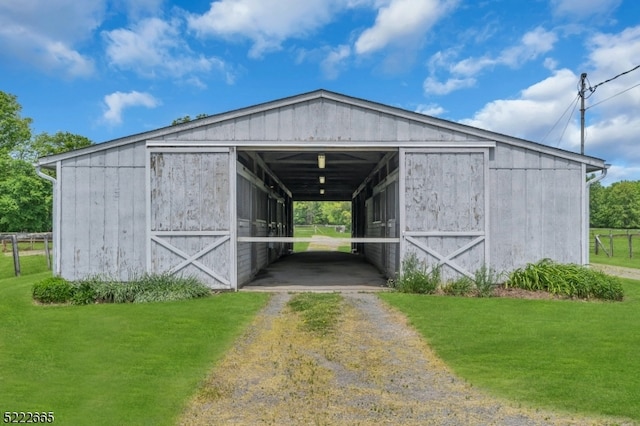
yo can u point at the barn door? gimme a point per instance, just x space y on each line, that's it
445 217
189 218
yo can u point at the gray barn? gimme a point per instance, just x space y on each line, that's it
214 197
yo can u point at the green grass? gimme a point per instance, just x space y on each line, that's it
620 248
567 355
112 364
319 311
28 265
308 231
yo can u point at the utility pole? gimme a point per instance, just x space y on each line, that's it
583 88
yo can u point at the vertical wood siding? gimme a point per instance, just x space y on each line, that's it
320 119
535 208
445 193
102 226
190 197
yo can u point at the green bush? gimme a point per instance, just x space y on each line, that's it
567 280
416 278
460 287
52 290
146 288
83 293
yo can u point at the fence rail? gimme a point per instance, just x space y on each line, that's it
14 239
598 244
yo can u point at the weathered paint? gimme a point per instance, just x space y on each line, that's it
445 217
530 196
189 215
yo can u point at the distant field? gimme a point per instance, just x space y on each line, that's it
620 247
309 231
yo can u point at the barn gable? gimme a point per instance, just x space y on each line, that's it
455 195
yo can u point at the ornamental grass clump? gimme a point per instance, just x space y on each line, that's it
568 280
486 280
416 277
143 289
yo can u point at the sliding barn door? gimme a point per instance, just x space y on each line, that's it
189 214
445 200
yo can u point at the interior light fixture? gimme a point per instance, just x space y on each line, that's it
322 179
321 161
321 191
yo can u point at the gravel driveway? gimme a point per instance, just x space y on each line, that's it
374 369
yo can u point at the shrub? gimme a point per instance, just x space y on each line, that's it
52 290
415 278
460 287
83 293
567 280
486 280
147 288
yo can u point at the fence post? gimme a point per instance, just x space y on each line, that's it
630 246
46 251
611 242
16 255
595 242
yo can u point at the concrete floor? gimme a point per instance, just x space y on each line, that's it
319 271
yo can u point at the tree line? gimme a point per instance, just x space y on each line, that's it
615 206
322 213
26 198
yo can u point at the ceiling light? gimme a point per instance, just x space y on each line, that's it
321 191
321 179
321 161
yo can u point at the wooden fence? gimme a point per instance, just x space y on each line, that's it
14 239
599 245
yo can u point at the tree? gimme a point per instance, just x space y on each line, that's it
623 203
598 205
186 119
25 198
45 144
13 128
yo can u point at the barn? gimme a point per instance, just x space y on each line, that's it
214 197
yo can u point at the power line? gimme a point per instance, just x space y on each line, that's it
613 78
568 121
573 102
613 96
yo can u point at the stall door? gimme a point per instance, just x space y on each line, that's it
189 214
445 218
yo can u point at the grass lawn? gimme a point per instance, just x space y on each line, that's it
308 231
572 356
620 248
112 364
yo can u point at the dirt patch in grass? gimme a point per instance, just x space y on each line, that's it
373 368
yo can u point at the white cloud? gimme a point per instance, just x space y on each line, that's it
534 112
267 23
612 121
334 61
463 74
116 102
430 109
583 8
401 20
432 86
44 34
155 48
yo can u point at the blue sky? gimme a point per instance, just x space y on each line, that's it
111 68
